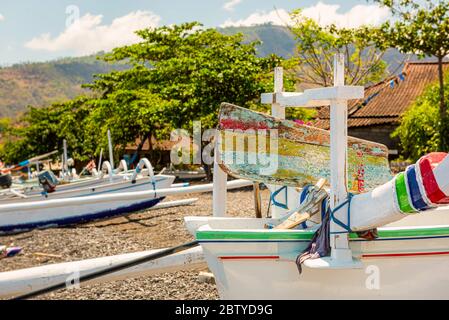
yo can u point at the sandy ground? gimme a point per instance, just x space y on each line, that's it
137 232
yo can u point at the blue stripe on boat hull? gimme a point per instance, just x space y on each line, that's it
105 214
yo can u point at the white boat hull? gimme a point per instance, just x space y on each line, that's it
87 188
21 219
249 262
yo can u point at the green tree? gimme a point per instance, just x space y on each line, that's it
317 45
42 130
417 131
178 74
422 28
192 69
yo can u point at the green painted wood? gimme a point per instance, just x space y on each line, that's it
262 148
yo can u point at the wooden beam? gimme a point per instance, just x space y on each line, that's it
314 97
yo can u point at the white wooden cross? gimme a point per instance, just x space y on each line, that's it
337 97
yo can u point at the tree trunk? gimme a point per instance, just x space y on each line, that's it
443 110
139 147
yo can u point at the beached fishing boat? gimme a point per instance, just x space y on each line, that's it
24 281
22 216
107 182
323 247
407 259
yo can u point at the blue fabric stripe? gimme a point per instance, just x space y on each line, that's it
415 193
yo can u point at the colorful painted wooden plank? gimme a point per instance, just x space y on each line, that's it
262 148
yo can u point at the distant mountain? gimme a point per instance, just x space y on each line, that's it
275 39
281 41
39 84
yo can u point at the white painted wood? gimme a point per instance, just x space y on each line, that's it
339 156
23 281
111 150
64 160
278 111
219 186
271 279
314 97
100 159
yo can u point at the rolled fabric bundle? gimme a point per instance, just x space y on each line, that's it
421 187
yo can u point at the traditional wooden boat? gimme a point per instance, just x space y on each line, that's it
408 259
106 182
24 281
17 217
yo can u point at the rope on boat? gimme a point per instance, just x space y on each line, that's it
113 269
347 227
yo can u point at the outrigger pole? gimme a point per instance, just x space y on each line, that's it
119 267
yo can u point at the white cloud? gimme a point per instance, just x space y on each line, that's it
2 17
229 6
358 15
87 35
324 14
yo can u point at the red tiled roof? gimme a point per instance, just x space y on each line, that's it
390 103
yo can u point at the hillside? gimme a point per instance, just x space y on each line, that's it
274 39
40 84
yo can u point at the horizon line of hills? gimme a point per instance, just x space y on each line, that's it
43 83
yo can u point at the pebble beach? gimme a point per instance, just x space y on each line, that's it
139 231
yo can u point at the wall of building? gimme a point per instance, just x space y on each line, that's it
380 134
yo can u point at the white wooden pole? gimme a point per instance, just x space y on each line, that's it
219 189
23 281
100 160
278 111
339 156
64 160
111 151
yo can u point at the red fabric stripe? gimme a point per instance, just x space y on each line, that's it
433 191
405 254
250 258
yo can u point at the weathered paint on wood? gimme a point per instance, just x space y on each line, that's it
303 152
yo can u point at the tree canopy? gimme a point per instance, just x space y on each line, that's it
178 74
317 45
417 132
422 28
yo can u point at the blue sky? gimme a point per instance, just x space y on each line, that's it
38 30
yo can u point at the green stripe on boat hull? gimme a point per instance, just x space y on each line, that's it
307 235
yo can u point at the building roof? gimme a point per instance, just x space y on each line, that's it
163 145
386 101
